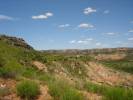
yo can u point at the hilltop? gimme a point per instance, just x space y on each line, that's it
95 74
18 42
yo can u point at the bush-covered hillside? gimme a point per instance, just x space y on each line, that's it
25 73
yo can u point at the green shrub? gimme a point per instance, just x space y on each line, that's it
61 90
10 70
111 93
72 94
116 93
28 89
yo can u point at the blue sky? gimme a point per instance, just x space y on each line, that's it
69 24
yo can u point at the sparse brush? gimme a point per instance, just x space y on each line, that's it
61 90
110 93
123 65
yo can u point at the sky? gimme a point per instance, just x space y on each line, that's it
69 24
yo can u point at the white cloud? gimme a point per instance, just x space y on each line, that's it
83 41
111 33
43 16
86 25
4 17
130 39
49 14
130 31
89 10
40 17
106 12
64 25
87 42
98 44
73 41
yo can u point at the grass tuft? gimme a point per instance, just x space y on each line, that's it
61 90
28 90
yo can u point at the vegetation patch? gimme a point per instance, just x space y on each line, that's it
75 68
28 89
60 90
111 93
126 66
10 70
